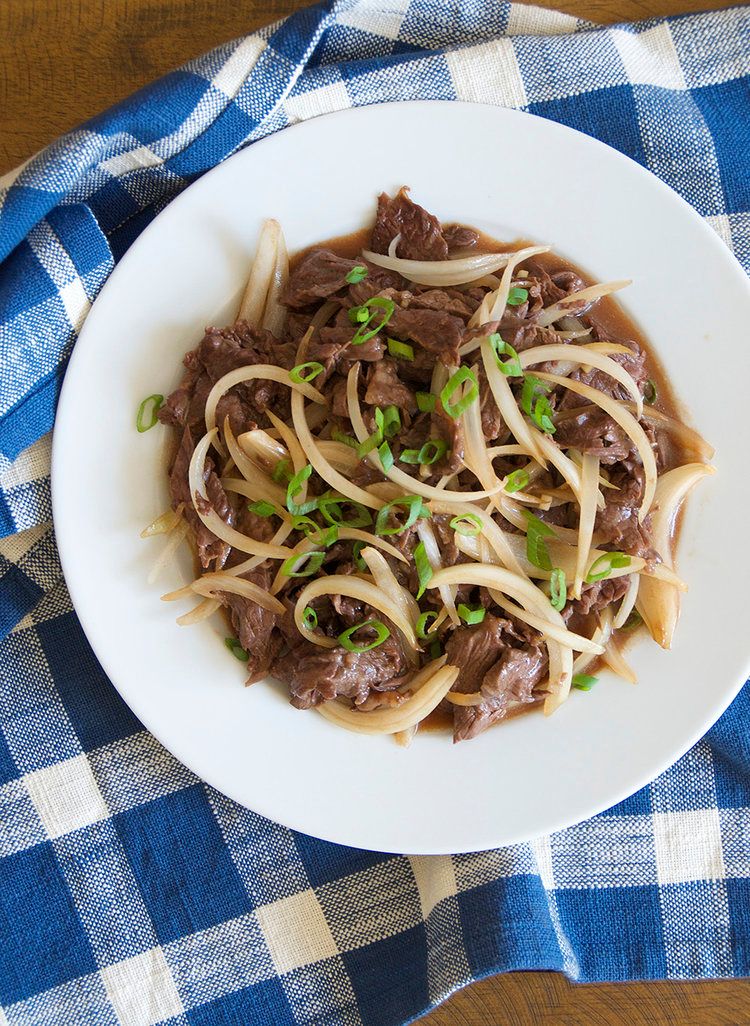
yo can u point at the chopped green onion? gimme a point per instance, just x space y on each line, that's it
650 394
535 403
325 536
312 561
366 447
510 368
356 550
282 472
388 420
411 503
310 618
542 415
516 480
357 274
263 508
339 436
381 633
471 614
426 401
306 371
331 510
609 561
634 620
386 456
468 524
583 681
558 589
424 568
401 350
517 296
433 450
436 649
379 303
149 408
468 396
422 622
536 549
236 649
294 486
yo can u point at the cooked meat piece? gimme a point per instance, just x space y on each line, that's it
474 650
254 627
600 594
318 275
209 547
494 427
450 301
385 388
437 332
617 524
421 234
337 396
593 431
511 680
317 674
449 429
458 236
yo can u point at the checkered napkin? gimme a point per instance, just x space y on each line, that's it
129 891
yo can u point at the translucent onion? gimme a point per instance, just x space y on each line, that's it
476 456
255 475
399 718
552 451
385 579
394 245
628 601
257 372
493 305
210 584
254 561
200 612
458 698
261 275
164 523
213 521
586 356
321 317
274 314
616 661
441 273
491 532
600 637
627 422
258 489
506 404
658 602
686 436
590 294
176 536
432 550
339 455
550 630
261 447
356 588
589 493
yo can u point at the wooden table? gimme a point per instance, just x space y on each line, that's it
62 62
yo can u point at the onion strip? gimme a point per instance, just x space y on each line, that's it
256 372
590 294
586 356
506 403
210 584
198 613
589 493
441 273
261 274
356 588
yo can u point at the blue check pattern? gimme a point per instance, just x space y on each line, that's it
132 893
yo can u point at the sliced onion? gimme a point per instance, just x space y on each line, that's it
686 436
627 422
493 305
320 318
256 372
210 584
476 457
213 521
588 356
200 612
340 456
261 275
255 475
458 698
164 523
258 489
441 273
617 662
404 738
432 550
386 579
274 314
590 294
628 601
179 593
600 637
658 602
552 451
262 448
550 630
399 718
394 245
254 561
589 492
176 536
294 449
506 403
356 588
491 532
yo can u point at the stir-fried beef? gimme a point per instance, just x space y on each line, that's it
385 388
421 233
254 627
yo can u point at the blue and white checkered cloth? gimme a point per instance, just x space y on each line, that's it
132 893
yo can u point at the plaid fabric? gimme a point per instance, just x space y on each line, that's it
129 891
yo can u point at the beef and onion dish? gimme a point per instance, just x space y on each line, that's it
426 475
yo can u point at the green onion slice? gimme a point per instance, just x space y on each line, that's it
468 396
424 568
605 564
433 450
294 487
436 649
510 368
386 456
516 480
471 614
332 510
583 681
426 402
282 472
650 394
411 503
263 508
532 389
356 555
634 620
381 633
306 371
371 309
468 524
357 274
236 649
558 589
536 549
401 350
388 421
148 411
517 296
310 618
312 562
339 436
422 622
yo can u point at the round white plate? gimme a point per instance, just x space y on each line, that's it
526 177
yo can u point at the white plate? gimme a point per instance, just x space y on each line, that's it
509 174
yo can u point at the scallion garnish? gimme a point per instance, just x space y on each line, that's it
535 403
306 371
426 402
388 420
634 620
517 296
536 549
421 628
356 556
355 315
357 274
330 507
411 503
148 413
310 618
381 633
282 472
236 649
471 614
339 436
558 589
386 456
608 562
650 394
463 376
263 508
436 649
583 681
468 524
325 536
424 568
510 368
366 447
401 350
433 450
312 562
295 486
516 480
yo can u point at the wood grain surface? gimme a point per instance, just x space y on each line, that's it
62 61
